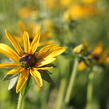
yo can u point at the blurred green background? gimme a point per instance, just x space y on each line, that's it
50 14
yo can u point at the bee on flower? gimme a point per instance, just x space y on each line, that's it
29 61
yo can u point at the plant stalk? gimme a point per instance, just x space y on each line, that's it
90 91
20 101
72 81
59 101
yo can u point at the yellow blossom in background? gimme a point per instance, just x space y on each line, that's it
82 65
28 62
32 29
80 48
66 3
98 49
89 1
98 55
52 4
48 26
27 12
79 12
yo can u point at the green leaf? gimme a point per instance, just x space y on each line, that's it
45 75
8 77
12 83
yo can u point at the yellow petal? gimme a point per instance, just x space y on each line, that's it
13 71
4 65
44 68
81 66
37 28
98 49
78 48
21 26
14 42
35 43
26 42
45 62
30 29
106 60
5 49
44 51
22 80
37 77
56 52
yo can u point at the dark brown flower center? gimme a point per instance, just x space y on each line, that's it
96 57
28 60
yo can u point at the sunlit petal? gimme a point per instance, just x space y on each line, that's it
14 42
13 71
26 42
22 80
5 65
45 62
44 68
35 43
5 49
37 77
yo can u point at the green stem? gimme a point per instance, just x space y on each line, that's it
72 81
23 92
60 96
20 101
90 91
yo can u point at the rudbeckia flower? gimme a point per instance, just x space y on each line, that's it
89 1
29 61
27 12
32 30
97 55
75 12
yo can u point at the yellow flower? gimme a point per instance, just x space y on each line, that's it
79 12
89 1
29 62
98 55
80 48
52 4
27 12
32 30
66 3
82 66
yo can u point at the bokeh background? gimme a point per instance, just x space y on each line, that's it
66 23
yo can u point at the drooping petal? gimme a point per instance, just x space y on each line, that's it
13 71
26 42
35 43
45 62
14 42
4 65
37 77
22 80
5 49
